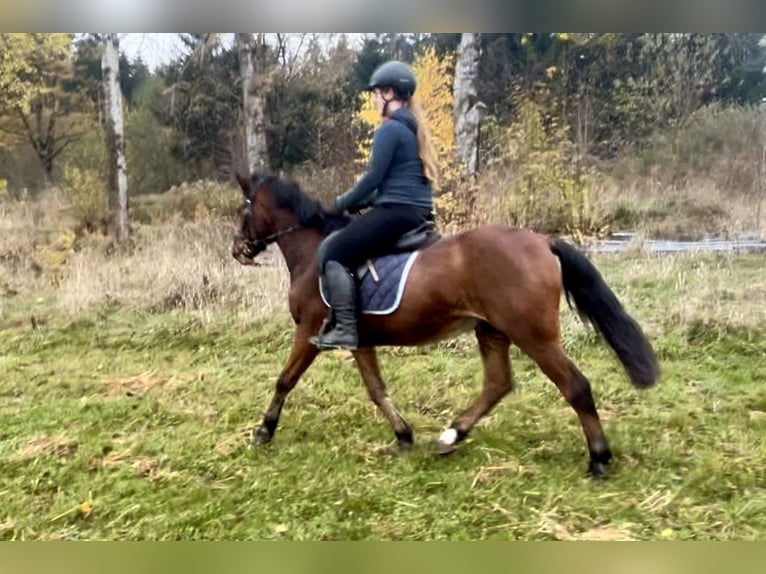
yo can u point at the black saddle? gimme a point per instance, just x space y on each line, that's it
421 237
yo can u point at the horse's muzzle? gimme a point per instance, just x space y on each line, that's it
240 251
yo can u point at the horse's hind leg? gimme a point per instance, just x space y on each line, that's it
302 354
576 390
494 347
367 362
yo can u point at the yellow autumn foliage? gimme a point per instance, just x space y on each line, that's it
19 53
368 119
435 78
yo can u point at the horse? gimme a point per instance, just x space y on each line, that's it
502 282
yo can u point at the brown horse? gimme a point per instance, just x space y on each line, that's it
502 282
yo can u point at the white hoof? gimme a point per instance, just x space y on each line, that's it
448 437
447 441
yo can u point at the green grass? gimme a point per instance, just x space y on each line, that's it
133 425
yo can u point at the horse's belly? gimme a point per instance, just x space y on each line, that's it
413 334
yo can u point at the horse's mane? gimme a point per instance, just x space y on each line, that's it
310 212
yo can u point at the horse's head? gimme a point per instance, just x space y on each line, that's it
273 207
257 226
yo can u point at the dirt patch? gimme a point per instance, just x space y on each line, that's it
496 472
608 533
234 441
123 456
137 385
604 533
56 446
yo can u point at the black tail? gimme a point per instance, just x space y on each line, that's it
598 305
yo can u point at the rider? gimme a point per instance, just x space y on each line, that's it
398 184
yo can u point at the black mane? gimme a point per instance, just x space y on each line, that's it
310 212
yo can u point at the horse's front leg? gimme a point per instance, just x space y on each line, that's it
302 354
367 362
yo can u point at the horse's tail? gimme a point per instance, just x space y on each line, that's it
597 304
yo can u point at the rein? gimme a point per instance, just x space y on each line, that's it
254 246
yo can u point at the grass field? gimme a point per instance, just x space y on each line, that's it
127 394
132 375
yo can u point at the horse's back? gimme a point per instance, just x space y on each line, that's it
488 257
498 247
495 274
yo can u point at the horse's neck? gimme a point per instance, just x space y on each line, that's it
299 251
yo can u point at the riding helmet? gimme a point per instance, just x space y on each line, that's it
396 75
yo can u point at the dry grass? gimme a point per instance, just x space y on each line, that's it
135 386
26 227
178 264
58 446
184 266
692 209
696 289
122 456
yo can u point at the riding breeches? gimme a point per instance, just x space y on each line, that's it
373 234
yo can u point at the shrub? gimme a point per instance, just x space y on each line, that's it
88 197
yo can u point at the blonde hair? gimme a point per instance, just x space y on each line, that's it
425 143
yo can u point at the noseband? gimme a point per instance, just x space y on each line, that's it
255 246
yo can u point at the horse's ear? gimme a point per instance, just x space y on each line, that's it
244 183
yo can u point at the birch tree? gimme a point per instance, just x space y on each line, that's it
467 108
253 68
115 139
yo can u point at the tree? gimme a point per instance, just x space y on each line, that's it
115 136
204 104
14 90
42 109
467 107
308 109
254 73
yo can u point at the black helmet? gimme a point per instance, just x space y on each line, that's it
395 75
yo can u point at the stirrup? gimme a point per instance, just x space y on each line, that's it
321 343
320 339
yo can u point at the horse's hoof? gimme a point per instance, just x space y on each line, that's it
597 470
447 443
404 440
259 436
404 445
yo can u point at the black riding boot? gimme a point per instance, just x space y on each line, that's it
342 298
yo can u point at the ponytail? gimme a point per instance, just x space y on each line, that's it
425 143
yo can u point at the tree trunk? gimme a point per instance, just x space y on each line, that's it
115 137
467 109
252 69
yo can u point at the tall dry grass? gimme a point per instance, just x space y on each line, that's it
705 178
29 233
174 264
178 265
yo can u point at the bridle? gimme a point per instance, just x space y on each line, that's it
255 246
